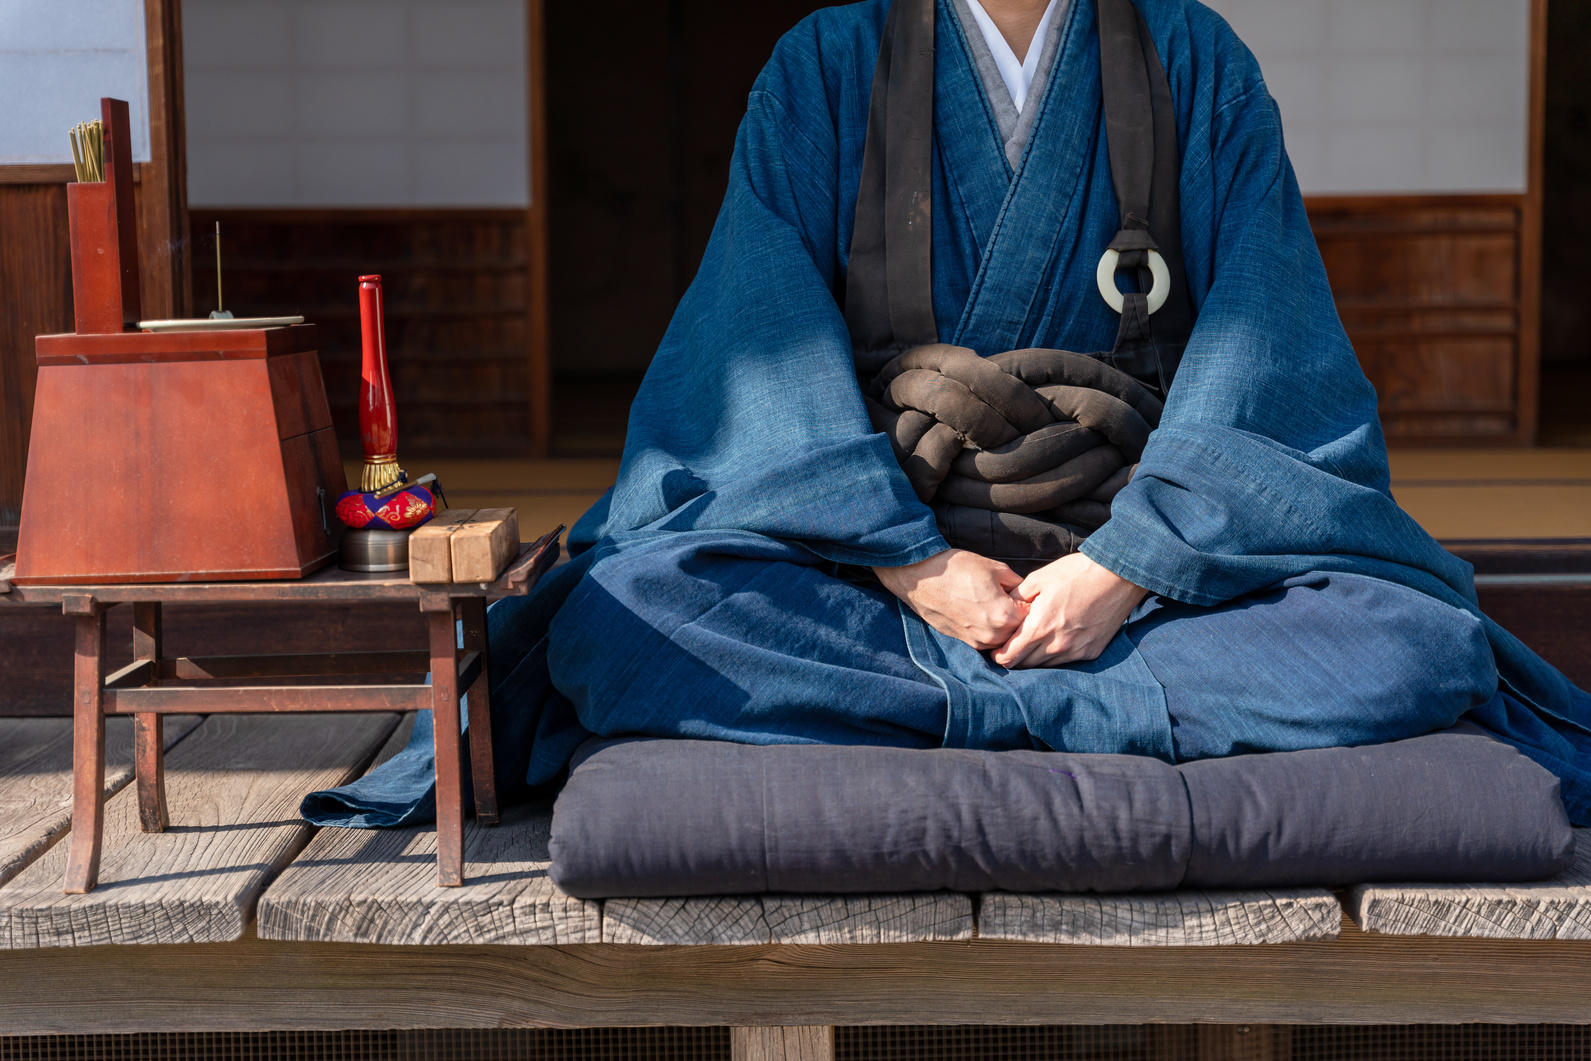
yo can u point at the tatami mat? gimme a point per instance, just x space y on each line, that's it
1453 493
1496 493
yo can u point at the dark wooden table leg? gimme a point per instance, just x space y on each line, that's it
149 737
88 744
483 771
445 728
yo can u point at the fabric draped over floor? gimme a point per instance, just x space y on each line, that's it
711 594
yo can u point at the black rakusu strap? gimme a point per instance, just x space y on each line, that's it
1129 111
1145 167
889 284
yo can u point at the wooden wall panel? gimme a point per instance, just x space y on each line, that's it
36 285
457 289
1434 293
1428 288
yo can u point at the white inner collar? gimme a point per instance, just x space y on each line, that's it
1018 76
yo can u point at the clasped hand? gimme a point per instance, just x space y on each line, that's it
1064 612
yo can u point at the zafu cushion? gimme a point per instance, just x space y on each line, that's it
643 817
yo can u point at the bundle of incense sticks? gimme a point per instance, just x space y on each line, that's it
88 151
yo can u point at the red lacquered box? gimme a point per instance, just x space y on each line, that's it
179 456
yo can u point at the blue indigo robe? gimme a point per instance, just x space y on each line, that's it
1293 603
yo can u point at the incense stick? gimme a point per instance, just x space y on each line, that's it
218 307
88 151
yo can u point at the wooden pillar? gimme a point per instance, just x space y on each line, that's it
166 278
536 331
803 1043
1530 226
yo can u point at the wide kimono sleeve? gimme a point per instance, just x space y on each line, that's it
750 416
1269 461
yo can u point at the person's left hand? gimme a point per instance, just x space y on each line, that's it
1075 607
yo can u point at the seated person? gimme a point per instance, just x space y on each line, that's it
765 572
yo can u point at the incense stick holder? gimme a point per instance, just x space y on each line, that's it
103 226
97 304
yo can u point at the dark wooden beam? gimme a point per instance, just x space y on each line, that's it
260 985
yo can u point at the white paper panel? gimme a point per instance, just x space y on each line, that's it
1387 96
356 102
57 58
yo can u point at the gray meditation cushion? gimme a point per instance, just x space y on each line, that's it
643 817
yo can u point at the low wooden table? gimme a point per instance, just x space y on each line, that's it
155 685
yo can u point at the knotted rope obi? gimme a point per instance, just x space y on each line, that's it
1018 454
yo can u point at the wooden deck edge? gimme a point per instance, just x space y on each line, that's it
253 985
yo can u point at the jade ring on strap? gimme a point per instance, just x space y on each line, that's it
1106 277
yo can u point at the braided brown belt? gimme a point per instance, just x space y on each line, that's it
1018 454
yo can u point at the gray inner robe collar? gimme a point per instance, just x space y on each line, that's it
1015 127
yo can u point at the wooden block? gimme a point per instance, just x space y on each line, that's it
749 919
379 886
430 553
485 545
800 1043
36 780
1559 908
233 786
1165 919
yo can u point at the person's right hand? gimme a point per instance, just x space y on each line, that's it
960 594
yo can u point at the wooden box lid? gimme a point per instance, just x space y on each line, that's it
119 348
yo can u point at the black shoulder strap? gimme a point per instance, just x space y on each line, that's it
1145 167
888 286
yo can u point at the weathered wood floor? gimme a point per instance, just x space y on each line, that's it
238 858
265 924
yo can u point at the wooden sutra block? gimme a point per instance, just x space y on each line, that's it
431 548
484 546
464 545
179 456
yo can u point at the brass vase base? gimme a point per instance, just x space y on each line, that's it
374 550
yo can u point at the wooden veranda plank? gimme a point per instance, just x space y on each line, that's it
1559 908
379 886
36 780
1167 919
913 917
233 786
